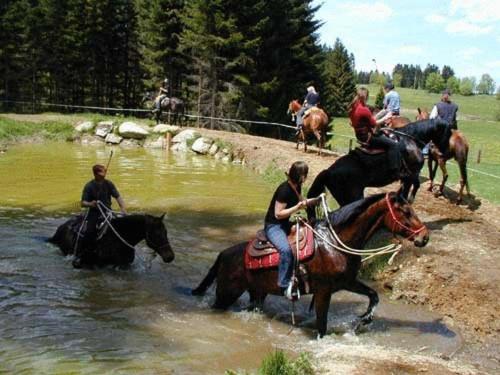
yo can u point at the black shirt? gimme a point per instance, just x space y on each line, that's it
448 112
312 98
94 191
283 194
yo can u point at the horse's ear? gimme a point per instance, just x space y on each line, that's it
163 216
419 110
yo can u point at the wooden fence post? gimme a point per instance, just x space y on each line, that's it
350 144
478 160
168 139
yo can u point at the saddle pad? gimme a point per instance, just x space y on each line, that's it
272 258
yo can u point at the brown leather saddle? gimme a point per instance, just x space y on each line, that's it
261 246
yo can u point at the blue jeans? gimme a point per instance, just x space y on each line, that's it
276 234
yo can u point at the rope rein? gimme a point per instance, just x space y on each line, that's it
366 253
100 206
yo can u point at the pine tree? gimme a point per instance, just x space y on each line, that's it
339 78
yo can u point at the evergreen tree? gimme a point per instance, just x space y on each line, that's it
447 72
339 79
379 99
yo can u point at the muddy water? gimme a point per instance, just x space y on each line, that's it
56 319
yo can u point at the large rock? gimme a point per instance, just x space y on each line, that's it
131 143
103 128
84 126
132 130
88 139
202 145
163 128
158 143
180 147
186 135
213 149
113 139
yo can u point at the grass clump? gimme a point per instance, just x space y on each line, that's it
273 174
278 363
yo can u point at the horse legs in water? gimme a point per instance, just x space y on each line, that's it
360 288
321 306
256 300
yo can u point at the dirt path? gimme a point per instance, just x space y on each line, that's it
455 275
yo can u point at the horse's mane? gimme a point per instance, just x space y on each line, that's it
419 129
348 213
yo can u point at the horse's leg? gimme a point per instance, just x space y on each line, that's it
432 171
256 300
444 171
321 304
318 137
360 288
303 135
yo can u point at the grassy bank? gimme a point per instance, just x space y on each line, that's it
15 130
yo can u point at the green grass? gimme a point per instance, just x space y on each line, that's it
278 363
12 130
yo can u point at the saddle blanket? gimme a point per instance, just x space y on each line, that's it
257 256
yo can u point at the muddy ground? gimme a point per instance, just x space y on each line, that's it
456 274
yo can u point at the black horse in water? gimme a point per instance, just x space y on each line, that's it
110 249
348 176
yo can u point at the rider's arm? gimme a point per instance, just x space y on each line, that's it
281 212
121 203
89 203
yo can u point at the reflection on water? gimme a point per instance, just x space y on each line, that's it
57 319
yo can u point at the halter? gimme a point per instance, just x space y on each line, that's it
149 241
396 221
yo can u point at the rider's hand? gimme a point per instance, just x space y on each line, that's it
93 204
302 204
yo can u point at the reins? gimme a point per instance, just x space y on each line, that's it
100 206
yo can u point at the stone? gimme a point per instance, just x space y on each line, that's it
186 135
103 128
202 145
132 130
88 139
84 126
180 147
227 158
130 143
163 128
158 143
219 155
113 139
213 149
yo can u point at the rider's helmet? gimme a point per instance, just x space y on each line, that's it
165 81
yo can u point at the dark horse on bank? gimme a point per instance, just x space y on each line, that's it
174 108
348 176
329 270
112 250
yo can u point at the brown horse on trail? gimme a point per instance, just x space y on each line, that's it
328 269
315 121
457 148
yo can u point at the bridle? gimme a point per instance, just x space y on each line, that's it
153 245
395 220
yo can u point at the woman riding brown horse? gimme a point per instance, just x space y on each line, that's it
329 270
316 122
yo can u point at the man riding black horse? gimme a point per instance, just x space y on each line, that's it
96 192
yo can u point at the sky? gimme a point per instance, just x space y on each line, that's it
464 34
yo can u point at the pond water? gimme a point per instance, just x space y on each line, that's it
56 319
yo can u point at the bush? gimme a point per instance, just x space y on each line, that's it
379 99
278 363
435 83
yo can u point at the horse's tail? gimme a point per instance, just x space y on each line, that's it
208 280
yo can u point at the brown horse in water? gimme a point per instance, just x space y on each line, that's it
329 270
316 122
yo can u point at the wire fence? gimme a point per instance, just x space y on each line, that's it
341 148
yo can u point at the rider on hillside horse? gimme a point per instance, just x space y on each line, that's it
98 189
366 129
164 92
311 100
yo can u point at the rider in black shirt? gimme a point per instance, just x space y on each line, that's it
98 189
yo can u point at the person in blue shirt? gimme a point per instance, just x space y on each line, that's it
311 100
392 102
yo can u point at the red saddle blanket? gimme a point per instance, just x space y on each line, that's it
258 256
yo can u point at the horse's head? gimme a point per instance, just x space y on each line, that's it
423 114
156 237
293 107
401 219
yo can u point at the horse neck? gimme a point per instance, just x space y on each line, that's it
364 226
131 228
